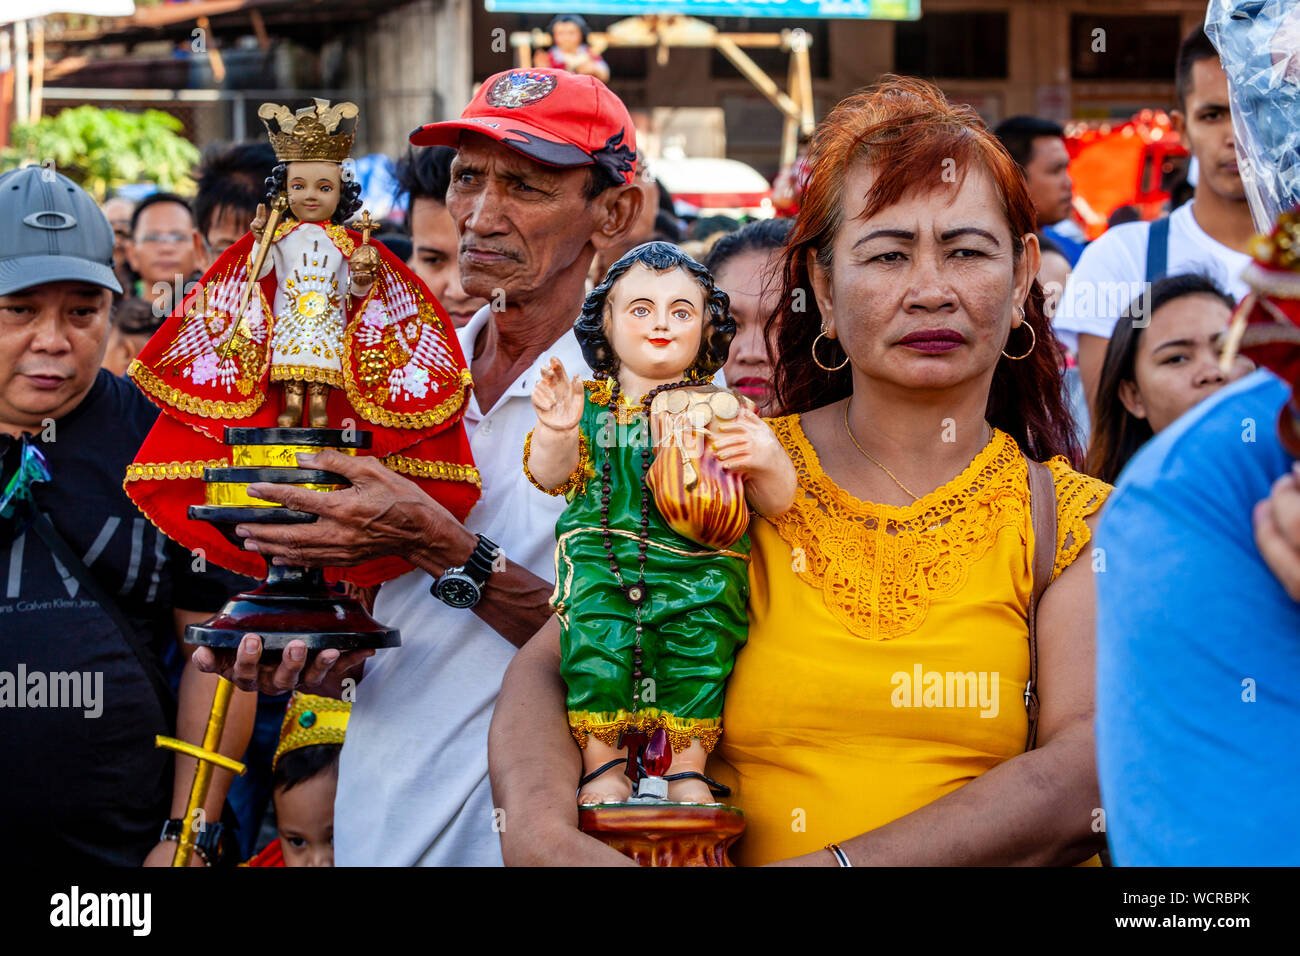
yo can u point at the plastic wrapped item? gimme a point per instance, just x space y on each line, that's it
1259 45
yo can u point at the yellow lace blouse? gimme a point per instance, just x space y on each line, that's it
888 650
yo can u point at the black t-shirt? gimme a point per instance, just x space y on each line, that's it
82 781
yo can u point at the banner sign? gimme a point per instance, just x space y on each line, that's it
786 9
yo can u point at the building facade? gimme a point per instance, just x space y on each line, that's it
1064 59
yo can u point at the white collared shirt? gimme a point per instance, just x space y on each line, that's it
413 777
1112 270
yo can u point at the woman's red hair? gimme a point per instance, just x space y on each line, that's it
907 127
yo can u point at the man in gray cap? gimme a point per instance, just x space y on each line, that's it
92 590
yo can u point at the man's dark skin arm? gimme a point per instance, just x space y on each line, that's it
382 513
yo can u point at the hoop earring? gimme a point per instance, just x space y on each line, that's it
825 368
1033 340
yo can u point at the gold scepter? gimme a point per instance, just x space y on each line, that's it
366 225
206 756
264 243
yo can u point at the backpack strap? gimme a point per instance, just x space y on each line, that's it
1157 249
59 547
1042 509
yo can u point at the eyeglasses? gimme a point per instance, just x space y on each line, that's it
32 467
157 238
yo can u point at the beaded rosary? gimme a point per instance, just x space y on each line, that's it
637 593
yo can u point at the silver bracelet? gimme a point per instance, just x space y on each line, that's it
840 857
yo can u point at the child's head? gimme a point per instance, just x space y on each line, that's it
303 785
304 777
318 191
659 312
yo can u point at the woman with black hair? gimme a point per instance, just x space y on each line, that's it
747 265
651 560
1155 370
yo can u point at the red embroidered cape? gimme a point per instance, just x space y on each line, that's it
1270 341
271 855
404 380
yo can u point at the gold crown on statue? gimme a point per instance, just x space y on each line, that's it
320 132
312 720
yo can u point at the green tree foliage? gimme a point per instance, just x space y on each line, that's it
104 149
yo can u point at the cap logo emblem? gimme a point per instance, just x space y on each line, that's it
61 220
520 88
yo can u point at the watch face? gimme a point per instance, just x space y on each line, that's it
458 590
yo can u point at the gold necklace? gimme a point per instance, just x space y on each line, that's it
875 461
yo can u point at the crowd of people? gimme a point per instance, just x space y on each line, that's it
1017 459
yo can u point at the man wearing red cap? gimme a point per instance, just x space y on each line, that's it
542 182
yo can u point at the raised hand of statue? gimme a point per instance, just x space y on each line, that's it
259 221
557 399
747 446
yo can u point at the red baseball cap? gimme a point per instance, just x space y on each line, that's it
556 117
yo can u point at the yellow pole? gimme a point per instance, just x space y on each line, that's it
1232 341
790 127
268 234
206 758
38 70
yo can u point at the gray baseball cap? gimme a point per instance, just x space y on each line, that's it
52 232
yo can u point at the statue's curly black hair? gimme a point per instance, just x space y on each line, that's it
719 326
349 192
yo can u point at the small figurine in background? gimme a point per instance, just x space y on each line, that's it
305 776
569 49
651 562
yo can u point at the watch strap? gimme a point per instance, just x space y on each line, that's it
479 565
207 842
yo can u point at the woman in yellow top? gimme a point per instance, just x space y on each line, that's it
877 715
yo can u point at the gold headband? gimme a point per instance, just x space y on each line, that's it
312 720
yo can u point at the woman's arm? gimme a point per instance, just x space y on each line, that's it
1037 808
553 447
535 765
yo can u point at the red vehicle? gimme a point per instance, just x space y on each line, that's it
1123 163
